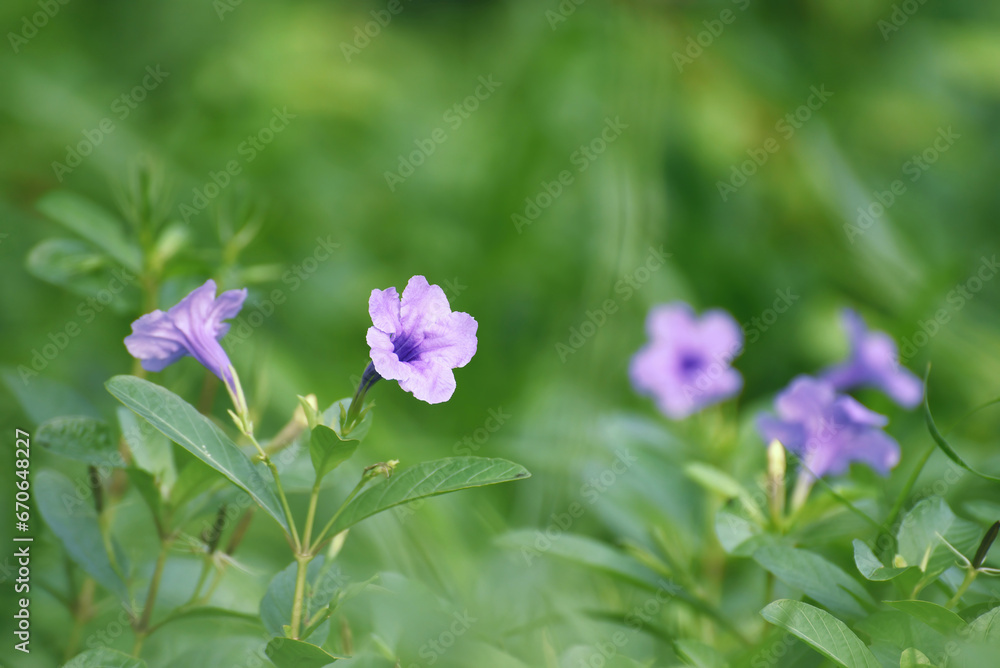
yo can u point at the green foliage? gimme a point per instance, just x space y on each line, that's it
183 424
68 511
81 438
104 658
288 653
328 451
93 224
818 578
696 512
428 479
822 631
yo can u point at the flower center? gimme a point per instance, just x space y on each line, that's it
690 363
406 347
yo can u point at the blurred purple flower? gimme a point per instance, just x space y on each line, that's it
192 327
685 365
874 362
828 431
419 340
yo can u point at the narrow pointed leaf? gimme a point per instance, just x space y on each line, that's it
428 479
933 615
822 631
182 423
817 577
943 444
93 224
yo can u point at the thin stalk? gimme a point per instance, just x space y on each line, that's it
289 518
206 567
154 585
329 525
970 577
82 611
300 589
310 518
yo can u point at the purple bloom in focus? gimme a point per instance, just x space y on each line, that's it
827 430
192 327
419 340
685 365
874 362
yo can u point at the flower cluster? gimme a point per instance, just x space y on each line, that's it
685 367
416 340
828 430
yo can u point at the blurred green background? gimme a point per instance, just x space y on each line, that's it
564 71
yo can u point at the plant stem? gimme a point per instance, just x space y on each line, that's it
82 611
300 589
154 585
329 525
141 627
310 518
289 518
206 566
970 577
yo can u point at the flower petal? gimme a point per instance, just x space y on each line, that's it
422 306
383 306
155 341
430 381
191 327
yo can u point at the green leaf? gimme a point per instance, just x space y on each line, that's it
933 615
328 451
986 627
104 657
602 557
331 418
725 486
917 538
288 653
74 520
822 631
211 611
71 264
940 440
322 585
737 535
583 550
194 479
93 224
151 450
81 438
183 424
870 566
428 479
818 578
914 658
43 399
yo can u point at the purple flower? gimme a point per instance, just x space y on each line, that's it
419 340
827 430
192 327
685 365
874 362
